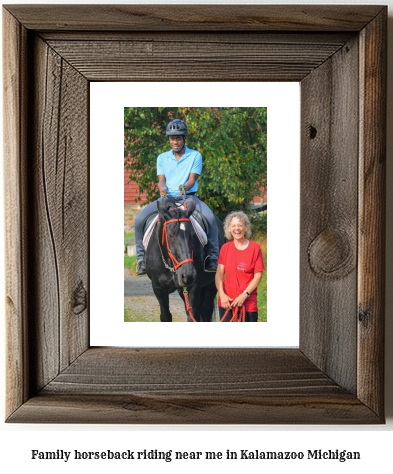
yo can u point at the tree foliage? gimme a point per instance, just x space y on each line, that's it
232 141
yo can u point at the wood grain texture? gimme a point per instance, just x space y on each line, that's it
233 59
197 386
329 173
202 409
14 150
200 37
336 375
372 190
187 17
60 180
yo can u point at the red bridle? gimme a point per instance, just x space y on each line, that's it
175 262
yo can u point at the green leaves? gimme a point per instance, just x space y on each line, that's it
232 140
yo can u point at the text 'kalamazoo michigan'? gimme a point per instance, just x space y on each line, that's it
168 456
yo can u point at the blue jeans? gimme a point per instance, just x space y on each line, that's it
212 246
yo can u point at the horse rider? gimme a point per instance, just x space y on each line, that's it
179 168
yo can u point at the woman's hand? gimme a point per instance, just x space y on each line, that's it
225 301
239 301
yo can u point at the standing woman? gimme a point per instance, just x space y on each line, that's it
240 267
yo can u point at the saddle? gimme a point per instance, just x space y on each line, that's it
197 220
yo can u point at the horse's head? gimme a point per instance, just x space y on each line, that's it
169 208
176 238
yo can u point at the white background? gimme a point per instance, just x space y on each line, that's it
374 442
107 219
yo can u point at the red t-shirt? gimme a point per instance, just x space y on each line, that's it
240 267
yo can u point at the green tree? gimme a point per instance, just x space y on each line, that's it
232 141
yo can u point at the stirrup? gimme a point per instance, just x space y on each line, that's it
210 264
140 268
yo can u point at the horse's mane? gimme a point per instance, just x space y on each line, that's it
171 204
171 201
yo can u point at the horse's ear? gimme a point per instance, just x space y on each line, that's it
162 208
190 207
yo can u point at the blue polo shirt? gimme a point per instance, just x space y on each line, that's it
178 172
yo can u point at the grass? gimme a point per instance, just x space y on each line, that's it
262 288
132 316
130 262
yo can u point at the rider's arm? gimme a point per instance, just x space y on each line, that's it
162 185
192 179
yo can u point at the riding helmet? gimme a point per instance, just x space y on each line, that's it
177 127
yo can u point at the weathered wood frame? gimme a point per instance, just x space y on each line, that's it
338 54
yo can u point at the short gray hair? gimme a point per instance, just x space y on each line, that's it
242 217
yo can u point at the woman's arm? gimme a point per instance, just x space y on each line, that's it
253 285
224 299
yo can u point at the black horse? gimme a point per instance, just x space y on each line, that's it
175 261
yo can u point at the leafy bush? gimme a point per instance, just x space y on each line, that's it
232 141
259 223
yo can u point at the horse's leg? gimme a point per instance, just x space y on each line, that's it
163 300
208 294
181 294
194 295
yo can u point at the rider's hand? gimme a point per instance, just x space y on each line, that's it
181 186
163 191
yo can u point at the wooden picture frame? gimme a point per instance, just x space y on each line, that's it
338 54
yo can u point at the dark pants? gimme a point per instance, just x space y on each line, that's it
251 317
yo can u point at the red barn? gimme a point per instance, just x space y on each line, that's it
131 191
132 202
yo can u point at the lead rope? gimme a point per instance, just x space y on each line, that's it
188 306
185 291
236 317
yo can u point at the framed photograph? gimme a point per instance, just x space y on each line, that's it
52 56
163 149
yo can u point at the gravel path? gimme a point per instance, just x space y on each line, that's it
140 303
